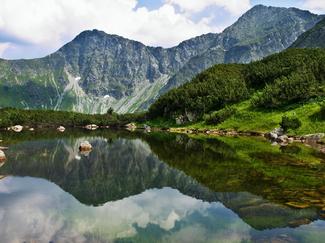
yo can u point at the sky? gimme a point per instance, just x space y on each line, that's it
35 28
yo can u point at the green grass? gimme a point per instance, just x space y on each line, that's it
248 118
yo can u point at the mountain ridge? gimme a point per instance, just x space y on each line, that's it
96 70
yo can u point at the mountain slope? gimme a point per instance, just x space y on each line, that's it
312 38
96 71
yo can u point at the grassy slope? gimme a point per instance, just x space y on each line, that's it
251 119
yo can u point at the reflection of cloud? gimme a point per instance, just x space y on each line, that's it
37 210
34 209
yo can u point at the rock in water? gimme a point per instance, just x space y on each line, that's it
61 129
2 156
17 128
147 128
91 127
85 146
131 126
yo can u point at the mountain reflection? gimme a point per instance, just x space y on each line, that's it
165 186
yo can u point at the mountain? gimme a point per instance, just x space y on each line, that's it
314 37
96 71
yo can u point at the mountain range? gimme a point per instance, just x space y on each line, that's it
96 71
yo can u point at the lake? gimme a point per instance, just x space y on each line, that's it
159 187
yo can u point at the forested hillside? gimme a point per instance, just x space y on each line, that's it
280 80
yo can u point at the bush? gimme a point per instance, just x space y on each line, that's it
288 90
221 115
322 112
290 123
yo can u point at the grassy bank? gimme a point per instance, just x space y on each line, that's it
245 118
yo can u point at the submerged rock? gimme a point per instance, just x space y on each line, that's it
85 146
61 129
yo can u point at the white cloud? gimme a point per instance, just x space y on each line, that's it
235 7
316 6
51 23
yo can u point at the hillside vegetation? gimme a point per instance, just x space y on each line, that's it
276 85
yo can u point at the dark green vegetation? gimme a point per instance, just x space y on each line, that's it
247 175
96 71
279 83
48 118
315 37
290 123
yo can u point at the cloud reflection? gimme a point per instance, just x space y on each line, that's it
35 209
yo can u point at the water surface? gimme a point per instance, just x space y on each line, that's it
159 187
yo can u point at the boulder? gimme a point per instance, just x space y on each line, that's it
180 120
91 127
290 140
2 156
279 131
282 139
17 128
130 126
85 146
147 128
61 129
271 135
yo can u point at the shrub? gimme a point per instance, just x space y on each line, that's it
290 123
221 115
322 112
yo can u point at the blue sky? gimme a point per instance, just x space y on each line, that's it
40 27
